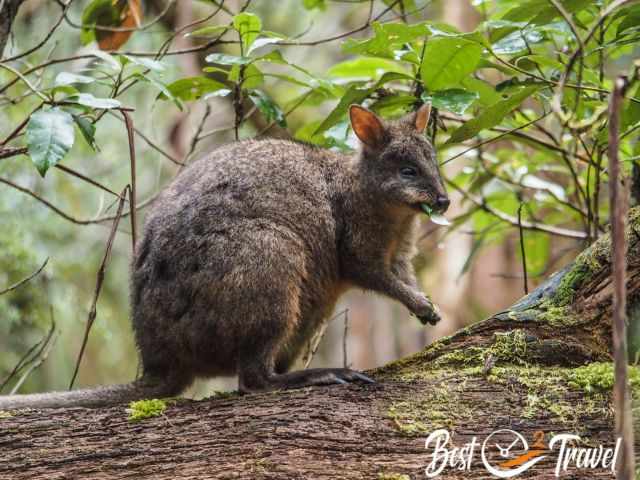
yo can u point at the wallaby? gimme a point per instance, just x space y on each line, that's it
245 253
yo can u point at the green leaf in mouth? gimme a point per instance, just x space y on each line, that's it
426 209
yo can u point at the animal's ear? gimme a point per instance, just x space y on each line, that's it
421 118
367 126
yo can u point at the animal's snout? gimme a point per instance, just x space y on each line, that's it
442 203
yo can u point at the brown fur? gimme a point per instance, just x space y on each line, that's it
245 253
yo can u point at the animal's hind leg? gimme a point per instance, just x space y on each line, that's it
258 365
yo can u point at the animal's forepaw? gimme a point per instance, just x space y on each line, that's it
429 314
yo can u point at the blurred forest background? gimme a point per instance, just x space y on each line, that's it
526 172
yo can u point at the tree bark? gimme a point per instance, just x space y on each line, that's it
8 11
516 370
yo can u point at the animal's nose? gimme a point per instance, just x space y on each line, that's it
442 203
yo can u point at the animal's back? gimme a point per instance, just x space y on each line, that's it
240 234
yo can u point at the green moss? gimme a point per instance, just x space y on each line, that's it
219 395
146 409
393 476
585 265
571 282
461 357
441 407
599 377
510 347
5 414
559 316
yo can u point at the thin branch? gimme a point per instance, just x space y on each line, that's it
99 280
43 352
619 201
84 178
517 133
132 190
24 280
536 226
490 140
523 251
48 204
150 142
46 38
345 336
314 343
8 152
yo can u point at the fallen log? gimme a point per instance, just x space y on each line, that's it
543 365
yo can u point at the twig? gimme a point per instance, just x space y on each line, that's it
99 280
540 227
132 188
84 178
314 343
149 142
25 280
523 250
46 38
345 335
196 137
490 140
46 344
618 199
48 204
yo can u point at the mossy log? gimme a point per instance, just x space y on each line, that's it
542 365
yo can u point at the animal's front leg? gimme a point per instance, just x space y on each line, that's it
391 284
427 311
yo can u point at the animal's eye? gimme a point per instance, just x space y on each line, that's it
408 172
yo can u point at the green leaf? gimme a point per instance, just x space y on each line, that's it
455 100
252 77
356 94
153 65
393 104
210 31
517 41
164 91
387 38
270 110
352 95
224 59
89 100
367 67
223 92
486 91
540 12
49 137
492 116
192 88
102 12
107 59
66 78
447 61
261 42
248 25
87 129
631 112
631 20
312 4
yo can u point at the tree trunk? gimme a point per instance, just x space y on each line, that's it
8 11
516 370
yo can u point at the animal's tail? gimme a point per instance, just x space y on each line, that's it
92 397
